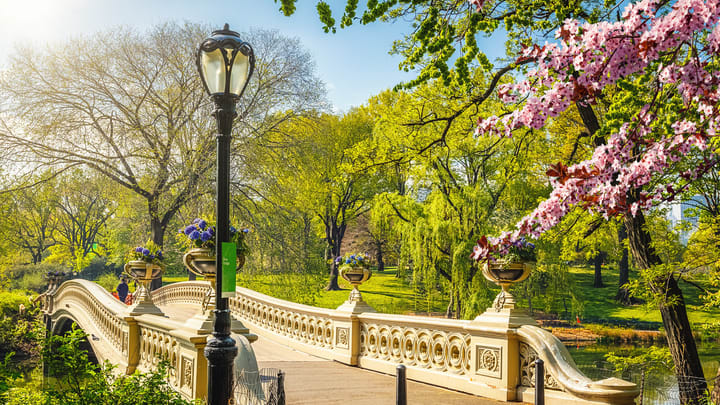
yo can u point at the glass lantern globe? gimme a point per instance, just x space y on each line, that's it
225 63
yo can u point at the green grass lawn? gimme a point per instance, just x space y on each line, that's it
384 292
600 302
173 279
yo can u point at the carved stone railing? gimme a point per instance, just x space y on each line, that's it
187 292
492 356
321 332
97 312
133 342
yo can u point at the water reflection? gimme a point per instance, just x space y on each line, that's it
660 387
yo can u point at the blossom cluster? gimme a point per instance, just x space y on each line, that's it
150 253
201 234
590 57
353 260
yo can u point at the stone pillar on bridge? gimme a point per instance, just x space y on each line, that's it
495 350
347 329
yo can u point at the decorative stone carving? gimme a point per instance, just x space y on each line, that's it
423 348
125 342
488 361
299 326
343 337
108 324
155 345
528 355
186 378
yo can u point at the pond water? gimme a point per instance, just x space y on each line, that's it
661 388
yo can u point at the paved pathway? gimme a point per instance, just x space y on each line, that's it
312 380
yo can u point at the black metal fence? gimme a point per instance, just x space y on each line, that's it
264 387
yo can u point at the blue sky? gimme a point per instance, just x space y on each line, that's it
354 63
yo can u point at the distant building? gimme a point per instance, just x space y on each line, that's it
680 212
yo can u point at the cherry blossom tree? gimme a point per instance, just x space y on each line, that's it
670 52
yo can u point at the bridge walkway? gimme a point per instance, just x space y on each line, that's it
312 380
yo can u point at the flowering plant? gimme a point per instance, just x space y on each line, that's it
351 261
51 274
201 234
504 250
150 253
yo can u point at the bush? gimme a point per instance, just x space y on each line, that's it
108 281
20 333
82 382
10 302
99 266
30 276
32 281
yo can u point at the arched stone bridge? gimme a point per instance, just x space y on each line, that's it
491 356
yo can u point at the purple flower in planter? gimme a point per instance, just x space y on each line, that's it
194 235
189 229
205 236
202 224
145 252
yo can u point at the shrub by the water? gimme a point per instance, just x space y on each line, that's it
20 335
78 381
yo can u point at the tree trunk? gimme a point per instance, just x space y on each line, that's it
458 305
623 295
599 259
158 234
333 282
623 267
334 234
449 309
379 258
715 395
681 343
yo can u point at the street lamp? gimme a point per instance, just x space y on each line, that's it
225 63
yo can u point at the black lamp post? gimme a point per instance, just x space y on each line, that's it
225 63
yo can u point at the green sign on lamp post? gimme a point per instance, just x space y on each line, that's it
229 265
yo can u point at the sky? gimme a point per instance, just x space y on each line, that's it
354 63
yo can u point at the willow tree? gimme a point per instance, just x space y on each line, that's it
459 186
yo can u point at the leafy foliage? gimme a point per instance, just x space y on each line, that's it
79 381
149 253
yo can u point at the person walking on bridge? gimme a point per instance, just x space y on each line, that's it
122 290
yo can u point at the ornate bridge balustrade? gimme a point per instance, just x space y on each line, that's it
132 342
317 331
492 356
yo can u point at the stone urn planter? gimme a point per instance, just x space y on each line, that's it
202 262
143 273
505 274
355 276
